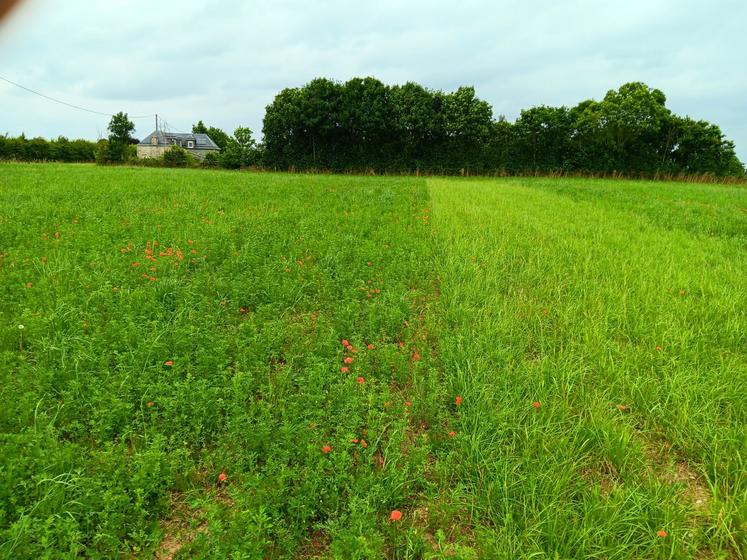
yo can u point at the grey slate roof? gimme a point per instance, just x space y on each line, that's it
202 141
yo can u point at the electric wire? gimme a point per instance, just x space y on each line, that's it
169 127
69 104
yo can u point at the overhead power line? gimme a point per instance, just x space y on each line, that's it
69 104
168 126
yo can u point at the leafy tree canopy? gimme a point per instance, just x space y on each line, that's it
364 124
120 128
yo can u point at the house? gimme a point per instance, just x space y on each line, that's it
156 143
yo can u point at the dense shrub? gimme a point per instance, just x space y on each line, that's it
176 157
212 159
106 152
38 149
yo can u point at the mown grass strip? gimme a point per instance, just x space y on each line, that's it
627 337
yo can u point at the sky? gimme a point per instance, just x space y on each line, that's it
224 61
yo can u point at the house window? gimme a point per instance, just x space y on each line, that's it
190 144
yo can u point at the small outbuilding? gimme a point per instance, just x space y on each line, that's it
156 143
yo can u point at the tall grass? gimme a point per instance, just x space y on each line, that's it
622 314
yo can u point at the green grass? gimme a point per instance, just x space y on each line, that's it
619 307
561 293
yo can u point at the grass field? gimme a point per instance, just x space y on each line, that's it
230 365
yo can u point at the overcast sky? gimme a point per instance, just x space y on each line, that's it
223 62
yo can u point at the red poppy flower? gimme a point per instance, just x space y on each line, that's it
135 264
348 360
222 476
408 404
361 381
29 285
658 347
370 346
370 263
353 349
152 279
353 441
242 310
401 344
458 400
345 343
415 357
326 449
364 444
396 515
536 404
452 433
168 363
661 533
149 404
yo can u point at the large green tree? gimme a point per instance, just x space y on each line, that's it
416 125
542 139
467 124
626 131
282 131
365 123
700 147
119 128
241 150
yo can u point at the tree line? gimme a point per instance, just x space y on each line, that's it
365 125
